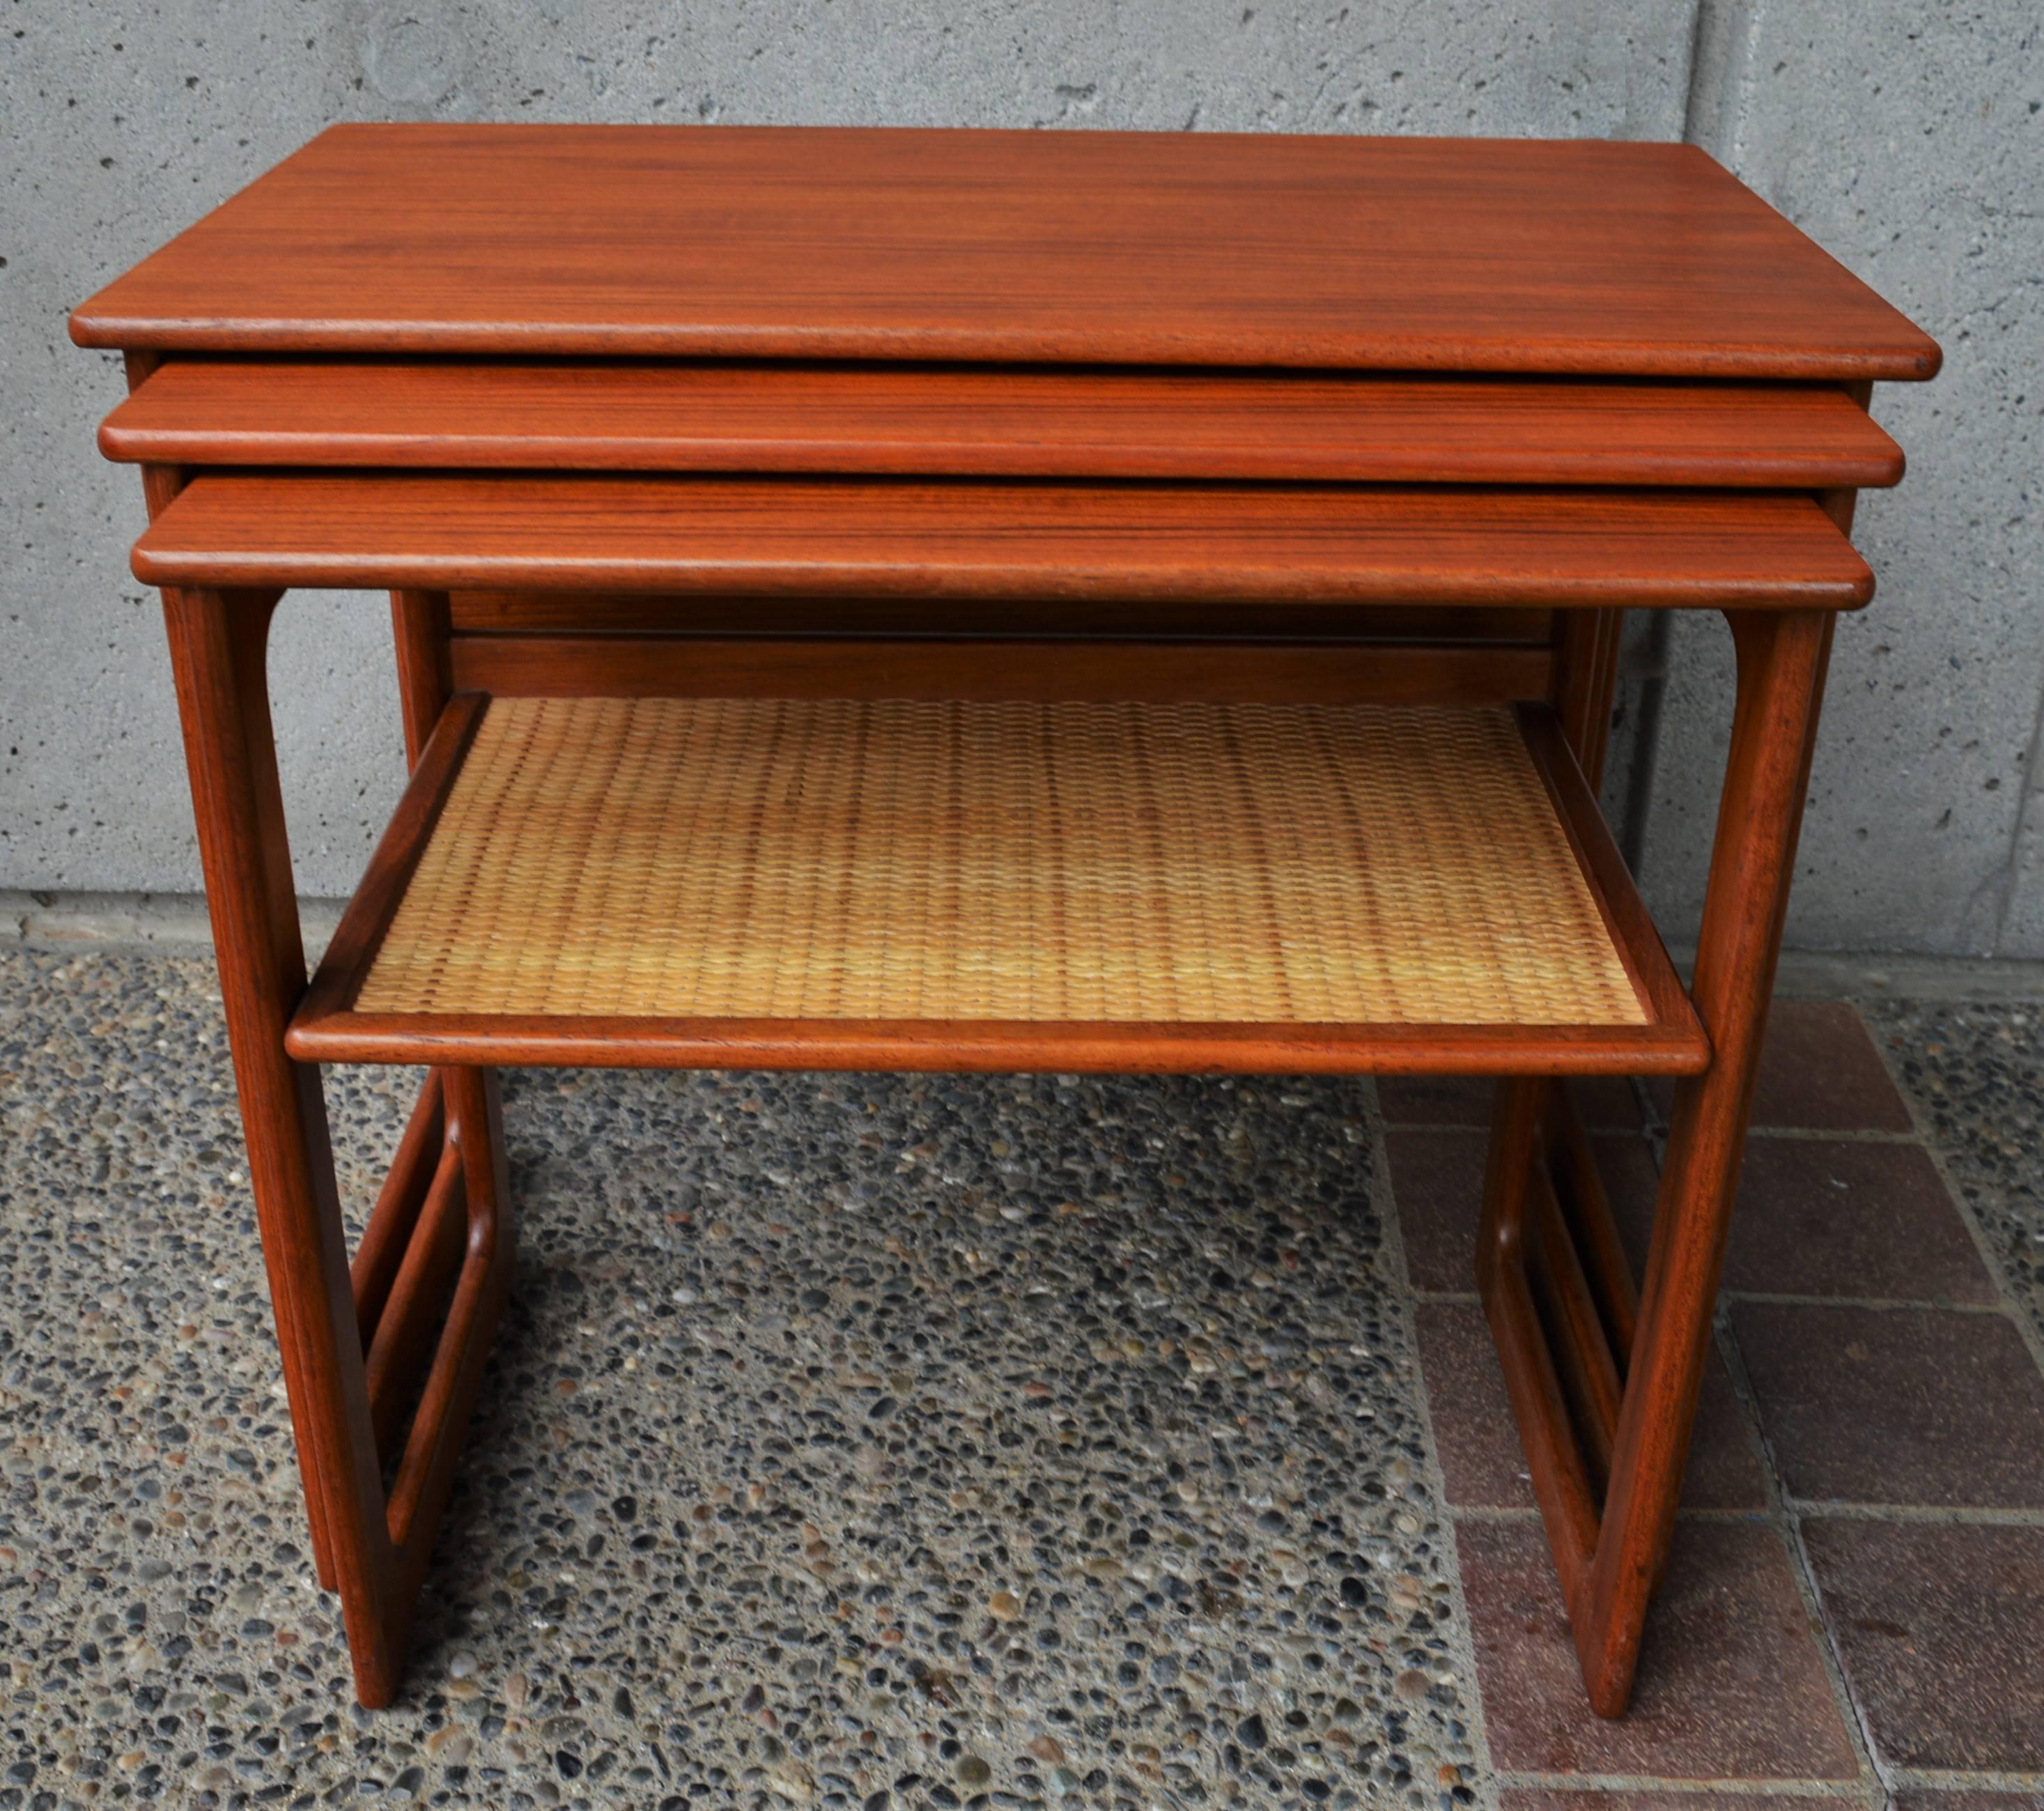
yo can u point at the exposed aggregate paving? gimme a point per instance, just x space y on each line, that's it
851 1440
1975 1074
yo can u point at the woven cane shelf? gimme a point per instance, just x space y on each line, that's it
954 885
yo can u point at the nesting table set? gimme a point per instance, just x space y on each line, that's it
985 601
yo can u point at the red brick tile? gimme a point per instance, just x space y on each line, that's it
1831 1217
1482 1463
1628 1798
1607 1102
1819 1071
1896 1405
1435 1100
1937 1628
1481 1460
1732 1683
1437 1181
1631 1182
1930 1798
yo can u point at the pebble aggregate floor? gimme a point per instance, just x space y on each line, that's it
859 1441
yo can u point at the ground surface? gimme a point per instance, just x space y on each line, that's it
854 1440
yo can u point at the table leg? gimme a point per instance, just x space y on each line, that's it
422 632
370 1551
1609 1571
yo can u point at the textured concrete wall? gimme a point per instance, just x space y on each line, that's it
1909 141
123 125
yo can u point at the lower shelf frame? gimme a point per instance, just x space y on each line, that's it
330 1026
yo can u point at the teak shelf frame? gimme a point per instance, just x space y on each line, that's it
745 478
331 1025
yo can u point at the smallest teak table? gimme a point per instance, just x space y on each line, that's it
978 600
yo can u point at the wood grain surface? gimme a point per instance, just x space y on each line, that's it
986 668
1578 256
507 612
971 539
1043 420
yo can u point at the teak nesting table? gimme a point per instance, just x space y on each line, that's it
983 600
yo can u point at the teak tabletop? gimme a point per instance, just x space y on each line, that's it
1130 247
955 600
996 421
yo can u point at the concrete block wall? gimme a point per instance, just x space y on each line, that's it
1906 139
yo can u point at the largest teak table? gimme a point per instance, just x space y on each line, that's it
963 601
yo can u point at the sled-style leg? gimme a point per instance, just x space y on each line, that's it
356 1348
1605 1388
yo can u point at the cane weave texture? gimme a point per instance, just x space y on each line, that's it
749 858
